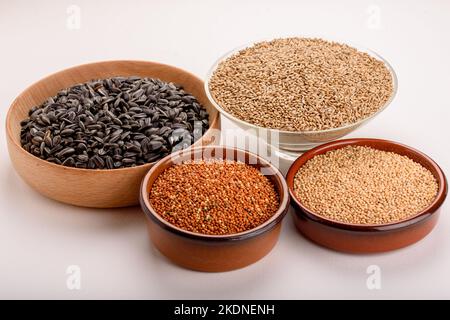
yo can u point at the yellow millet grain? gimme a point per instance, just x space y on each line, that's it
363 185
301 84
214 197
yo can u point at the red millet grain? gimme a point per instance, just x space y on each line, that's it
214 197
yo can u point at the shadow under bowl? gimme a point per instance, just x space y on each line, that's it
99 188
214 253
357 238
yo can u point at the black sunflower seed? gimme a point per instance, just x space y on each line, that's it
113 123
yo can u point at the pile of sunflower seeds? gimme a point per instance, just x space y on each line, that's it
113 123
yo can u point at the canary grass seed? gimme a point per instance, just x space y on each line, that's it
301 84
214 197
363 185
113 123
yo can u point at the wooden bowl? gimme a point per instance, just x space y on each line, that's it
356 238
86 187
214 252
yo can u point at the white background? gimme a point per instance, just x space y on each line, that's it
40 238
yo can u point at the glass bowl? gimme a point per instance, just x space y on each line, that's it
297 141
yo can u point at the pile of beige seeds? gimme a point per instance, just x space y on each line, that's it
301 84
362 185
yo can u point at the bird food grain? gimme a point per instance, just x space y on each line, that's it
113 123
363 185
214 197
301 84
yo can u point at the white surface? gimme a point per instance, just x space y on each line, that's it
40 238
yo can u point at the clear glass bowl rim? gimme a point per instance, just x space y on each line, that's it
330 130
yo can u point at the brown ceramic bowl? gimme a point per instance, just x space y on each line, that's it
356 238
86 187
214 252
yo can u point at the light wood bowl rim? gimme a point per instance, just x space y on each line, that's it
212 124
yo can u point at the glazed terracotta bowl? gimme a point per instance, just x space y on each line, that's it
356 238
86 187
214 252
